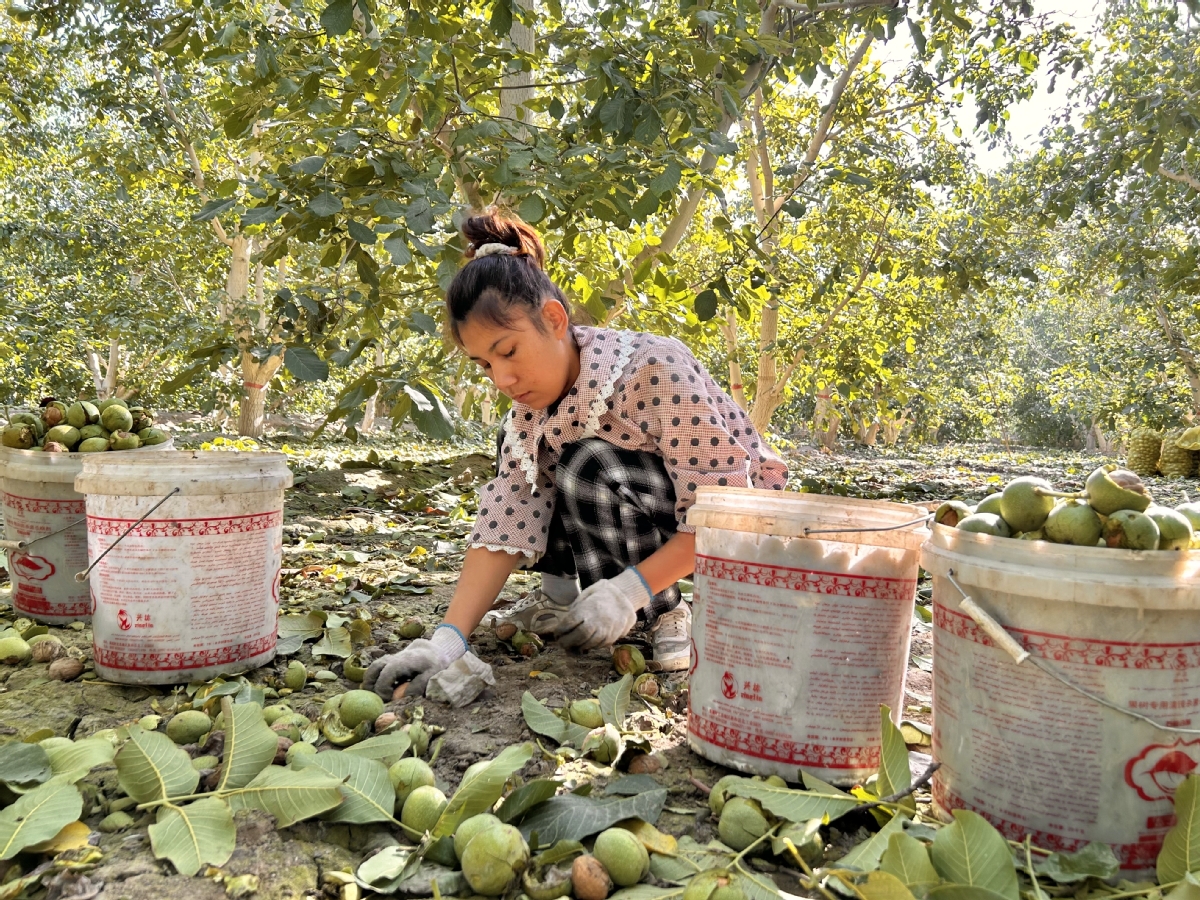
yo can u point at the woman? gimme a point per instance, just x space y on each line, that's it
610 435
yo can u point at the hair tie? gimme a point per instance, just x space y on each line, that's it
493 249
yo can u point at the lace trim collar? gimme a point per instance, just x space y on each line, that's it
604 347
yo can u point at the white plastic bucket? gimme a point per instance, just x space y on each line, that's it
796 641
39 499
1033 755
193 591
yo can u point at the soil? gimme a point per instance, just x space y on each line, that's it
377 532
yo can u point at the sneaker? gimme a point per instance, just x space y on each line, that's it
537 614
671 639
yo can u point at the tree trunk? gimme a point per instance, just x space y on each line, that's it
371 412
1187 358
516 86
729 328
255 378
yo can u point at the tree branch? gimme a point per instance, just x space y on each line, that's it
190 148
1182 176
827 117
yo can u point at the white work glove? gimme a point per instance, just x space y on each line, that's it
605 612
416 663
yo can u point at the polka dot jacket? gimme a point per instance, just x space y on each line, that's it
635 391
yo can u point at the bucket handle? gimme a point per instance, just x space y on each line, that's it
924 519
22 545
1009 645
83 576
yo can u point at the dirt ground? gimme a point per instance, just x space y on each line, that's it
376 532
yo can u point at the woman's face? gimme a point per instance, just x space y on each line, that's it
533 366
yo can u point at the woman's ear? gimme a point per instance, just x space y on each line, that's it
555 318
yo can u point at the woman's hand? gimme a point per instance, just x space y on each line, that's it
415 664
605 612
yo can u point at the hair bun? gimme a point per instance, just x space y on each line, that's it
493 226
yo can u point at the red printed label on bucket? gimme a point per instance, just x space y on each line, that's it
1035 756
43 575
791 664
184 594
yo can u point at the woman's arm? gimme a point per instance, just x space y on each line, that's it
673 560
483 575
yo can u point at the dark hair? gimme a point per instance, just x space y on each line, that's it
491 286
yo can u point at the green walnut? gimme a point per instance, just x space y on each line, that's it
411 628
19 437
950 514
468 828
1127 529
494 860
990 504
985 523
1073 522
91 431
628 660
409 774
92 445
360 706
117 418
1111 489
742 823
1174 528
123 440
1026 502
423 808
622 855
296 675
188 726
717 796
298 749
153 436
14 651
66 435
586 713
111 401
82 413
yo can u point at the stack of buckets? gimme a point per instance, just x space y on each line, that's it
186 594
801 630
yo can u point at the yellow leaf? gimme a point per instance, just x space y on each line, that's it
72 837
652 839
913 735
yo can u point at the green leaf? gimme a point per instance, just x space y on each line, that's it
398 247
630 785
542 721
969 851
501 17
570 817
195 834
883 886
310 165
647 892
614 701
369 794
150 767
290 795
324 204
484 789
795 806
261 215
338 17
39 815
1187 889
866 855
690 857
667 180
907 859
22 763
80 758
384 871
1180 852
387 748
894 774
532 209
214 208
432 418
250 745
1096 860
963 892
526 797
360 232
335 642
304 364
706 304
